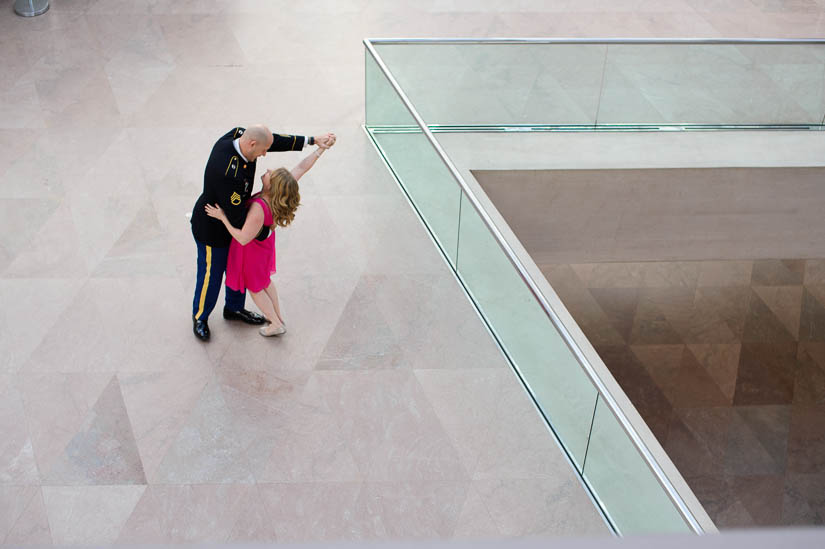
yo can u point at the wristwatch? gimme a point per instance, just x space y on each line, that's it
311 140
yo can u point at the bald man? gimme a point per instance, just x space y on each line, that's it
228 181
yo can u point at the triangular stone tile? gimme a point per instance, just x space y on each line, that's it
762 325
771 425
815 272
254 523
812 325
785 302
762 497
721 362
26 302
56 408
159 404
206 449
730 303
695 387
802 504
651 327
704 322
697 439
475 521
142 250
138 70
584 271
758 439
32 526
13 503
89 515
778 272
810 374
18 213
661 361
347 348
104 450
54 252
619 304
17 465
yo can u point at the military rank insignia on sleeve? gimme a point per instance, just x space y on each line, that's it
235 199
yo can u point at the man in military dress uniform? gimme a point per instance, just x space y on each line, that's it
228 181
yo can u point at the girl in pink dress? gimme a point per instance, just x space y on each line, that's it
251 260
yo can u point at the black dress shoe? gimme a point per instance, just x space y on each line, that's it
201 329
247 316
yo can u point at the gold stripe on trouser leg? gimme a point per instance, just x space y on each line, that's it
205 281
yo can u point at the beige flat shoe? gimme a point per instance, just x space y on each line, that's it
271 330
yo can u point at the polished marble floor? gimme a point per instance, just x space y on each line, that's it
385 413
725 361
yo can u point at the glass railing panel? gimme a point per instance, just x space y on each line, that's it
499 84
431 188
716 84
382 104
622 481
489 84
551 372
416 164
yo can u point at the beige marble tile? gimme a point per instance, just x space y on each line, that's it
28 303
124 338
437 323
32 526
254 523
288 438
159 404
348 348
89 515
475 521
540 507
14 499
52 252
186 514
323 511
465 402
17 465
207 449
419 510
103 451
394 432
56 407
200 39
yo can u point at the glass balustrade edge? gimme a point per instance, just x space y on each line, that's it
617 412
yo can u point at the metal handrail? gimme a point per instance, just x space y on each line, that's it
717 41
604 393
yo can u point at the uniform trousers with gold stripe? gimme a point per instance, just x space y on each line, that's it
211 268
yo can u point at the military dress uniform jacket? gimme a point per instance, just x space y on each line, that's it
228 181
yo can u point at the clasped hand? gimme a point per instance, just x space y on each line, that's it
215 211
325 141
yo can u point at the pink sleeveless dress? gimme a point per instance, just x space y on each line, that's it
250 267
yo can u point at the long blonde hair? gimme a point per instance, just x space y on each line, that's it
283 198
